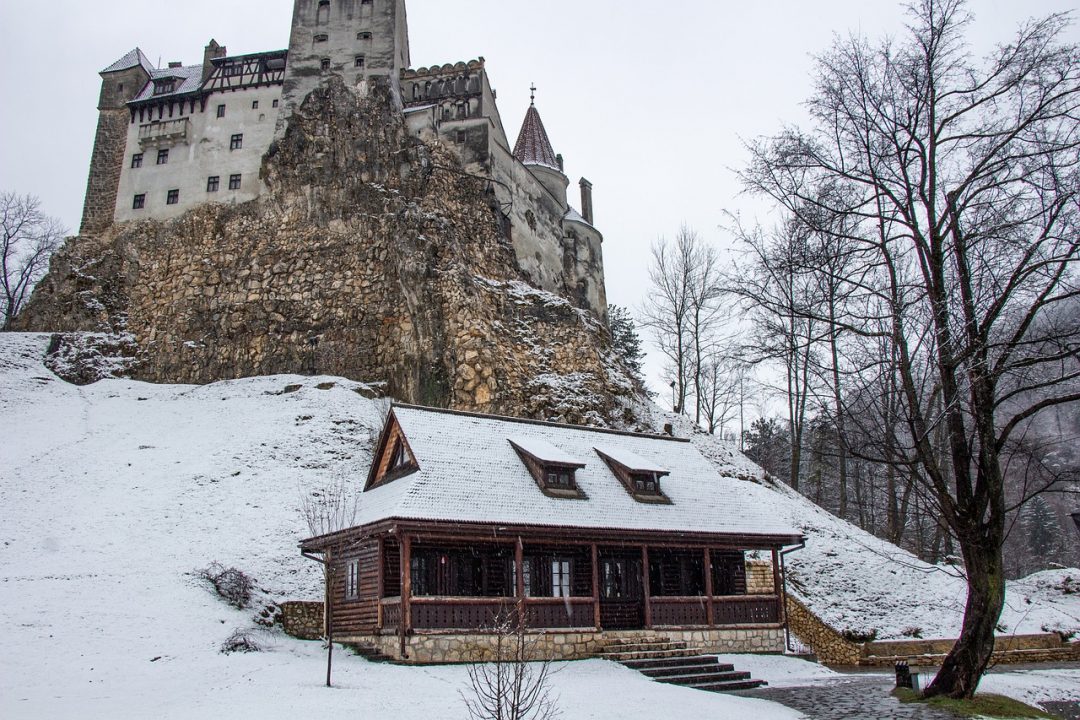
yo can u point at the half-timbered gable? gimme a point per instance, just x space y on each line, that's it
464 518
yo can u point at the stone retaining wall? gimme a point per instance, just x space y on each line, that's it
423 648
829 646
303 620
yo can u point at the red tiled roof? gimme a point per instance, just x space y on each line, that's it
533 146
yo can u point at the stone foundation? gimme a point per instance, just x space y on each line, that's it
427 648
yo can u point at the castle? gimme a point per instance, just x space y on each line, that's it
172 139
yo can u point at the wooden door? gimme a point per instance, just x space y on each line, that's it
622 597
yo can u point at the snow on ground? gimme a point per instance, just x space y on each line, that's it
111 495
1034 686
781 671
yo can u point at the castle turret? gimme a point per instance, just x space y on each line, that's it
533 149
358 40
120 83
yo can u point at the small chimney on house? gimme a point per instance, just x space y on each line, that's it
212 51
586 201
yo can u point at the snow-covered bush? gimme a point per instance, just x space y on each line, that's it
241 641
232 584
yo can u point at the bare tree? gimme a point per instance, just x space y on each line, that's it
514 685
965 181
29 238
326 510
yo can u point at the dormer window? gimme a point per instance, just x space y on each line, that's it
164 87
640 477
554 471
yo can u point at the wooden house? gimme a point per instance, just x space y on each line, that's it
593 534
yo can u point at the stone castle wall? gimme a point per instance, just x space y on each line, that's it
366 258
110 143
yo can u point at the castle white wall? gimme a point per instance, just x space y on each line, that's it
205 152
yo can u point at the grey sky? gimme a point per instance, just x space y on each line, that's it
648 100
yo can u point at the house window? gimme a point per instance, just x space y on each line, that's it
352 580
560 478
526 575
254 104
236 142
321 38
234 182
140 202
560 577
173 197
325 64
645 483
359 61
163 156
221 111
136 160
213 183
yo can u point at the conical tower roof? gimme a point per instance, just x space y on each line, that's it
533 146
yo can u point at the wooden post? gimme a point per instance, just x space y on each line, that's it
710 616
380 585
781 613
519 574
645 585
406 590
596 586
328 614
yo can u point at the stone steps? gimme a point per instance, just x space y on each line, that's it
676 663
369 653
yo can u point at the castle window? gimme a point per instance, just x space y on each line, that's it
234 182
173 197
163 156
325 64
254 104
461 137
136 160
213 183
164 87
139 203
221 111
365 2
363 36
232 70
359 61
275 103
120 87
352 580
236 142
321 38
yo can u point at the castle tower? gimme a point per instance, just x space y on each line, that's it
120 83
533 149
358 40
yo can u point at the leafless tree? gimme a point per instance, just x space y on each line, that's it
29 238
328 509
515 683
963 178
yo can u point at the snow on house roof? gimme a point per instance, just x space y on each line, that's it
533 146
133 58
188 79
469 472
631 460
545 451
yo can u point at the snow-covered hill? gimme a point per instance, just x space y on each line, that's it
113 494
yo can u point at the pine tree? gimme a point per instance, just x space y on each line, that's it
625 340
1041 530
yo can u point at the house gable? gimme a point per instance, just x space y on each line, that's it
393 458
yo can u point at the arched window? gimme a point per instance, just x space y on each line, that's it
416 91
323 16
321 37
325 64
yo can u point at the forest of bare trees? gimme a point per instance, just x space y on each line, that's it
916 298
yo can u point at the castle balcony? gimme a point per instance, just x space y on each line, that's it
165 132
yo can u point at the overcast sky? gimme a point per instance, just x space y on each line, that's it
651 101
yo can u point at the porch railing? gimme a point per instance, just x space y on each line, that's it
727 610
461 613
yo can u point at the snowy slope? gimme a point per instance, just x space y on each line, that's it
112 494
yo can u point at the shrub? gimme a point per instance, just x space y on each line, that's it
241 641
911 632
860 636
232 584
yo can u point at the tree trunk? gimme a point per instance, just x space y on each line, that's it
963 667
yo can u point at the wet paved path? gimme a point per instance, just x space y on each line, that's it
852 698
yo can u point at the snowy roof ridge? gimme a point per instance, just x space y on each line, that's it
189 76
130 60
533 146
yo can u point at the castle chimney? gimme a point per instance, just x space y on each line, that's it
212 51
175 64
559 162
586 200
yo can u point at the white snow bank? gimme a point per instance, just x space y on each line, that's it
783 671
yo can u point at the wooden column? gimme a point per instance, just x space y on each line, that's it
645 585
781 610
710 616
380 586
596 586
406 589
519 574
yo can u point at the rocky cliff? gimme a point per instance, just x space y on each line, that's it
372 256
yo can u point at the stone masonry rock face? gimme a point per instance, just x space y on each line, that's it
106 161
365 259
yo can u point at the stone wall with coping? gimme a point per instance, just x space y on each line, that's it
425 648
830 647
759 577
303 620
